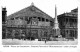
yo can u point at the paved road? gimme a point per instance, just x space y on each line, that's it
27 42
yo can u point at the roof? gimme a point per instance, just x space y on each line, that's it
30 11
74 10
73 13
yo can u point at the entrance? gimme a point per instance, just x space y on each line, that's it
33 34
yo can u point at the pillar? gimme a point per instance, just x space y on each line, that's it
13 33
26 33
68 22
68 33
6 33
38 33
74 33
20 33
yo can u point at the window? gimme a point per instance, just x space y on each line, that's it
66 20
43 19
21 18
34 17
16 17
39 18
47 20
51 23
12 18
26 18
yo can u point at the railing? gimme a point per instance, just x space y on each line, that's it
71 26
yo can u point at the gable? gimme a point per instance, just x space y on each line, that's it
30 11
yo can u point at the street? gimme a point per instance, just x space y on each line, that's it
35 42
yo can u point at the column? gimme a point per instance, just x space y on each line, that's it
39 33
41 19
65 34
74 33
68 23
42 33
68 33
65 21
73 23
6 33
13 33
20 33
48 32
26 33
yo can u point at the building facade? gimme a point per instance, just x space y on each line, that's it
68 24
29 22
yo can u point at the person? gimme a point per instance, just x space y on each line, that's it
45 40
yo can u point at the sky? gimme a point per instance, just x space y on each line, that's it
47 6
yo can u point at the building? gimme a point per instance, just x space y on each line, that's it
33 23
30 23
4 15
68 24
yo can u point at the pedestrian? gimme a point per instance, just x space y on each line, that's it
45 40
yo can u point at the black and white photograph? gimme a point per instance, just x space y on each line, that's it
36 23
